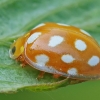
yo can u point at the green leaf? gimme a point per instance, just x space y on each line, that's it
19 16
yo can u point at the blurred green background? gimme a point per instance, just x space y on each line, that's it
19 16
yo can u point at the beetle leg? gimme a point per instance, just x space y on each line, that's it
56 76
41 75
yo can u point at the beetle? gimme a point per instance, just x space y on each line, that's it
59 49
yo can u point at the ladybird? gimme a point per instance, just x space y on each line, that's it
59 49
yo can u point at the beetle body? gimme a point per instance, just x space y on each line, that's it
59 49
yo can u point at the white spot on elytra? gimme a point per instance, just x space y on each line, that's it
42 24
63 24
93 61
55 40
72 71
80 45
86 33
42 59
67 58
33 37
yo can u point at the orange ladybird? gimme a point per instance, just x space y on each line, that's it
59 49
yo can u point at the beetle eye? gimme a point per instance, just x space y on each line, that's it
13 50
